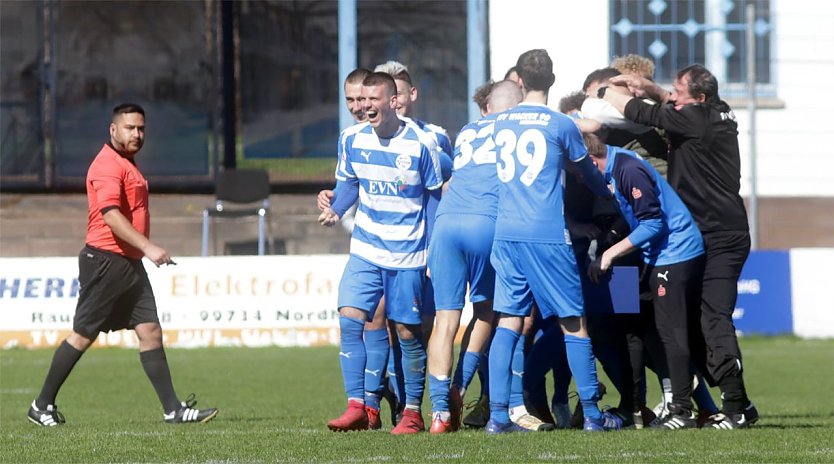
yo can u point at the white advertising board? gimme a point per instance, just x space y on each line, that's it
218 301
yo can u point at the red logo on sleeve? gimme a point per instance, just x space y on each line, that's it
661 290
636 193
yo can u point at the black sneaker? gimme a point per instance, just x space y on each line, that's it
683 420
49 417
741 420
186 413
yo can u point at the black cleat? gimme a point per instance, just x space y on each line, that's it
684 420
49 417
186 413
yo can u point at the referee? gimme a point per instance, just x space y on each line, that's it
115 291
705 170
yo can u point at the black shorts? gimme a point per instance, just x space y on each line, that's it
115 293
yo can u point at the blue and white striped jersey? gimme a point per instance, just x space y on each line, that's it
444 144
474 185
534 143
393 176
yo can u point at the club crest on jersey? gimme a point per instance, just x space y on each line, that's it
636 193
403 162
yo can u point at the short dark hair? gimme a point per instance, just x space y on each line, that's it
701 81
595 145
126 108
535 68
572 101
481 95
381 78
514 69
598 75
357 76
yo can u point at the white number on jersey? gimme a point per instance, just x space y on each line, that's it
532 160
485 153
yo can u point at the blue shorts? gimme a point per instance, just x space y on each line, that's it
459 254
363 284
546 271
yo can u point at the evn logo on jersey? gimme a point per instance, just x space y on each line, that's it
379 187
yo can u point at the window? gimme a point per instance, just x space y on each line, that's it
677 33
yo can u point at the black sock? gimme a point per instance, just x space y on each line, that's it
63 361
156 367
733 394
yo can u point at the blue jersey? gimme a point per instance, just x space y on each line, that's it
393 176
444 144
534 143
661 225
474 185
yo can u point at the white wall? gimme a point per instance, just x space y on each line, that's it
576 44
795 153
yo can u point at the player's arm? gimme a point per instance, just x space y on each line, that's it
347 194
637 186
123 229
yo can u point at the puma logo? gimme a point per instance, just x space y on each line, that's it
664 276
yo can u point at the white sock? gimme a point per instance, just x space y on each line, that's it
517 412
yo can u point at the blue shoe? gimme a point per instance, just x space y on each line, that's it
495 428
607 422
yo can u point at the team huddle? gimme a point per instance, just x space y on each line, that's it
528 215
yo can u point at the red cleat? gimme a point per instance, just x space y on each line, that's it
412 422
354 418
438 426
455 408
374 422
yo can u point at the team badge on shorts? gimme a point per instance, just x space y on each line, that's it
661 290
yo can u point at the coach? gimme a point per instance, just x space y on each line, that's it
704 169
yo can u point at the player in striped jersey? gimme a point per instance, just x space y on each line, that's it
391 166
406 98
459 255
532 254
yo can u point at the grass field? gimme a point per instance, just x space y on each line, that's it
274 403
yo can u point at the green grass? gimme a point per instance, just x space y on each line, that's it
274 403
294 169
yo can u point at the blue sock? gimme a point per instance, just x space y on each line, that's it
414 371
376 349
352 357
500 362
395 372
483 373
466 369
439 393
702 397
517 371
584 369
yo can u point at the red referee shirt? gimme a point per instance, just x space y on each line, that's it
114 181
